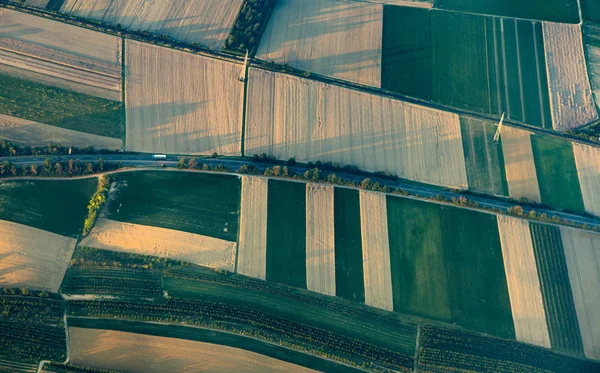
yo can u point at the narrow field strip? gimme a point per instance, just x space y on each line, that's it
519 164
33 258
571 97
376 250
523 283
252 245
582 253
320 239
167 243
587 159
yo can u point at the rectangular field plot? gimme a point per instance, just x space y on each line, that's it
286 233
549 10
205 22
76 58
582 253
570 92
166 243
294 117
335 38
483 158
591 39
557 172
443 268
57 206
181 103
523 283
123 351
587 159
520 164
33 258
590 10
200 203
252 245
483 64
348 245
561 316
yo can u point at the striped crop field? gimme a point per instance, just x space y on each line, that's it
587 159
181 103
205 22
591 40
520 164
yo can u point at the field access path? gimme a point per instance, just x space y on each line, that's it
145 162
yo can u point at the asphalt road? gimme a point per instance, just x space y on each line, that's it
419 190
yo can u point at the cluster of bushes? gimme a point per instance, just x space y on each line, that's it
26 292
89 257
69 368
8 149
249 26
55 168
195 164
96 203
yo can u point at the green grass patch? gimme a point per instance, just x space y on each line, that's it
447 265
590 10
561 316
215 337
348 245
484 159
201 203
58 206
61 108
286 233
565 11
557 173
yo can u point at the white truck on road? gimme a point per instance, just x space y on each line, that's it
159 156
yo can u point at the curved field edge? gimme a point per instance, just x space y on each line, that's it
214 337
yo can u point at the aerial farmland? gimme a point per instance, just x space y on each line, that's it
299 186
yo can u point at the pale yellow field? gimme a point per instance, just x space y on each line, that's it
523 282
33 258
519 164
571 98
25 132
582 253
289 116
167 243
131 352
376 250
335 38
587 159
206 22
320 239
181 103
252 246
86 60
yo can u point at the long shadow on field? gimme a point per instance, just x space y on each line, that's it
15 31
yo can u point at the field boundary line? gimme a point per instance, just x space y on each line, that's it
416 358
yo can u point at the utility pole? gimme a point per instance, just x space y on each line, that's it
242 77
499 129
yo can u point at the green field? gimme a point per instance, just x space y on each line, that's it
58 206
565 11
444 268
556 290
348 245
557 173
286 233
61 108
478 63
590 10
201 203
483 158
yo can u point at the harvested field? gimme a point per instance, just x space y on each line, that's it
523 283
571 97
33 258
286 233
587 159
205 22
582 252
90 60
131 352
168 114
376 250
25 132
349 278
519 164
320 239
484 160
290 116
591 39
556 172
335 38
444 269
252 247
167 243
